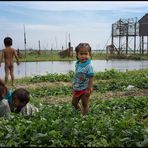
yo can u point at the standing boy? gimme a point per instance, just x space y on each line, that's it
8 53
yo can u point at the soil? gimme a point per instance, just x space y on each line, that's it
107 95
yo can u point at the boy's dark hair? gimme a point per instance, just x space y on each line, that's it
82 45
3 88
21 94
8 41
1 92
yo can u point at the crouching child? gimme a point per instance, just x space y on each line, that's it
20 103
4 105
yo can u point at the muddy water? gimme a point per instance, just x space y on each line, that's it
41 68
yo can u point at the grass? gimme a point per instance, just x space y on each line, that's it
47 55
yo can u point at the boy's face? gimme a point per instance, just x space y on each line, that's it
17 103
83 55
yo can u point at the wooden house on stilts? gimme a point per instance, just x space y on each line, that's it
129 36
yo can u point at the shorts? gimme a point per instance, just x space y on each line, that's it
79 93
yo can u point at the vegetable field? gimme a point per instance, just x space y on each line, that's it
113 119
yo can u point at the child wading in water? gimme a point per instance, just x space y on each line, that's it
83 78
8 53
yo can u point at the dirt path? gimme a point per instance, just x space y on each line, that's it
124 94
42 84
59 99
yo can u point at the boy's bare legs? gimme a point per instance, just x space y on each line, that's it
6 74
75 103
85 99
12 75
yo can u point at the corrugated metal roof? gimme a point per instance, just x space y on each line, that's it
144 18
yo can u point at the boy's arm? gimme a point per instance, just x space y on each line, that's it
90 82
89 87
2 56
15 54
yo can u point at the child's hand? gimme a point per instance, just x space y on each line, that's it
89 91
18 63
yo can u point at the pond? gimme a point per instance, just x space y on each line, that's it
42 68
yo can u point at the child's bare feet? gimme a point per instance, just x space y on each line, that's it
13 85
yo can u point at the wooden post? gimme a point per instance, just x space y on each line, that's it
112 41
119 43
147 44
142 44
25 41
127 37
39 47
69 46
119 37
135 37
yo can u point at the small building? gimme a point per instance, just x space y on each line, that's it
143 25
67 52
130 35
143 34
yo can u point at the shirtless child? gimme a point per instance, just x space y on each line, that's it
8 53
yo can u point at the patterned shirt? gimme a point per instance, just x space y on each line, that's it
29 110
4 109
83 71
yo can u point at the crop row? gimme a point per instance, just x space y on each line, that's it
108 74
109 123
99 86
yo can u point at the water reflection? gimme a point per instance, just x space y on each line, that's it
41 68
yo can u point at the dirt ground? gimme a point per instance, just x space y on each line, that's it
95 95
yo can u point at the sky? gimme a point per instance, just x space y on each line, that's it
55 23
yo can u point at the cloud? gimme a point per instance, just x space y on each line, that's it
86 21
81 5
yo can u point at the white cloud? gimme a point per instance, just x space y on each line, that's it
86 25
82 5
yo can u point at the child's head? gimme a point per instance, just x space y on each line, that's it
7 41
83 52
3 90
20 97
